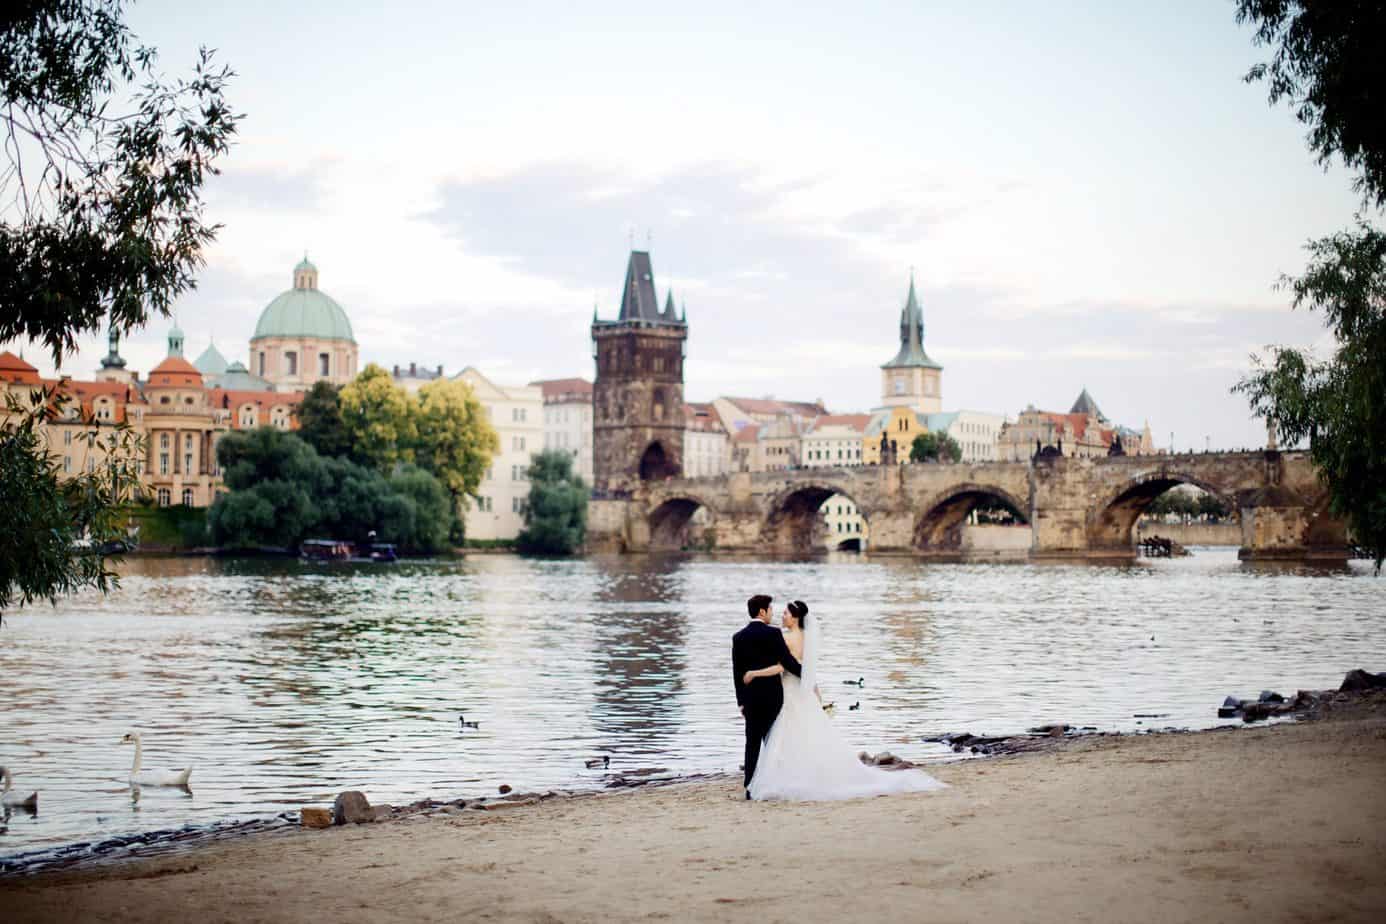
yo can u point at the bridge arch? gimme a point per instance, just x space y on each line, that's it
672 520
793 522
939 527
1112 519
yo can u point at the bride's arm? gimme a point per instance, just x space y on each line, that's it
770 671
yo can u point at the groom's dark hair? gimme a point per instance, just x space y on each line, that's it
757 603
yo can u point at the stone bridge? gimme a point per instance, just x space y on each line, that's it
1075 508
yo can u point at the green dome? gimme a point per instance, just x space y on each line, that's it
304 311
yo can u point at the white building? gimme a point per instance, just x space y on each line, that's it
834 440
706 448
415 376
568 421
978 433
517 414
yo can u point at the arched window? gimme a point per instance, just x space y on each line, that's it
187 497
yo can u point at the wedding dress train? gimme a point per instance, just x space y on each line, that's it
805 759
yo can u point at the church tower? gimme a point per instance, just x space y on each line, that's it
637 394
912 379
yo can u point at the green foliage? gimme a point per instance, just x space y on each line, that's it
556 512
1188 505
1329 62
173 527
935 447
104 166
1338 405
320 420
381 420
55 524
282 492
455 440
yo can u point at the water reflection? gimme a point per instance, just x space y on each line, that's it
282 683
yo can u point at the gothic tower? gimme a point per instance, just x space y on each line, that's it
912 379
637 418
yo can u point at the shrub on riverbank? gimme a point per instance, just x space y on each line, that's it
556 512
282 492
171 527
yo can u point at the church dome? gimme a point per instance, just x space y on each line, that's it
304 311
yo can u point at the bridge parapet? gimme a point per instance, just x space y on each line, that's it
1076 507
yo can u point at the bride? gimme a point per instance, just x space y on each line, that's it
804 758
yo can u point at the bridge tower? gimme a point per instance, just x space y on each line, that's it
637 419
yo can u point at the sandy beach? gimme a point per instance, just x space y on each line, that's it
1286 823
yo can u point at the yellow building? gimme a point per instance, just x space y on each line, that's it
890 434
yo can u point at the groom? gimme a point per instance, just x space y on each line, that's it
759 645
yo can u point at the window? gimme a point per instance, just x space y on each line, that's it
188 400
900 385
67 437
163 497
262 364
163 465
163 441
187 497
67 463
290 363
324 364
517 505
165 400
187 463
187 442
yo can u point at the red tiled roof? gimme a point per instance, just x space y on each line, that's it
264 401
701 417
776 406
14 369
559 390
174 372
855 421
747 434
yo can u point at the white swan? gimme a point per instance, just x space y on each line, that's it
153 777
14 799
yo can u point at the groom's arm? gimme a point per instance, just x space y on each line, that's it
787 658
736 676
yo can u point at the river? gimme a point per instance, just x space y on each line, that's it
283 683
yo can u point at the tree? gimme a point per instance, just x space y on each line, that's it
935 447
1339 404
55 525
320 420
556 512
105 162
101 217
1328 61
283 492
455 439
380 420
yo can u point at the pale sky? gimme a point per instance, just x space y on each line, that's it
1088 192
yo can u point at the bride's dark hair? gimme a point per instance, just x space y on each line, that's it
800 610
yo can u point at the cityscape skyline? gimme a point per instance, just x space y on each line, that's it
1093 199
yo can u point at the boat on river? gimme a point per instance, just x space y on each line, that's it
325 550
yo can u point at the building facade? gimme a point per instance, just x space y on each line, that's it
1083 432
834 440
176 417
568 421
415 376
517 414
638 420
303 337
706 449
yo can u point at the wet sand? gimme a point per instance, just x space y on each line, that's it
1286 823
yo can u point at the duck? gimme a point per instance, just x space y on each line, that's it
855 706
604 761
830 708
465 724
14 799
859 682
153 777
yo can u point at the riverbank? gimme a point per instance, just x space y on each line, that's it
1286 823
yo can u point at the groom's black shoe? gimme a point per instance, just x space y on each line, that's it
748 795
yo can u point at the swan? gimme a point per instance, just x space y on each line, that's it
14 799
153 777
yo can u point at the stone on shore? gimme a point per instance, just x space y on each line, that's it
315 817
1359 679
352 808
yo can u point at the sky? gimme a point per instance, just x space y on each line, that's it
1088 194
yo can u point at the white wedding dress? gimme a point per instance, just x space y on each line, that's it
804 759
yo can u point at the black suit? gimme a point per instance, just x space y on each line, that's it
754 647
